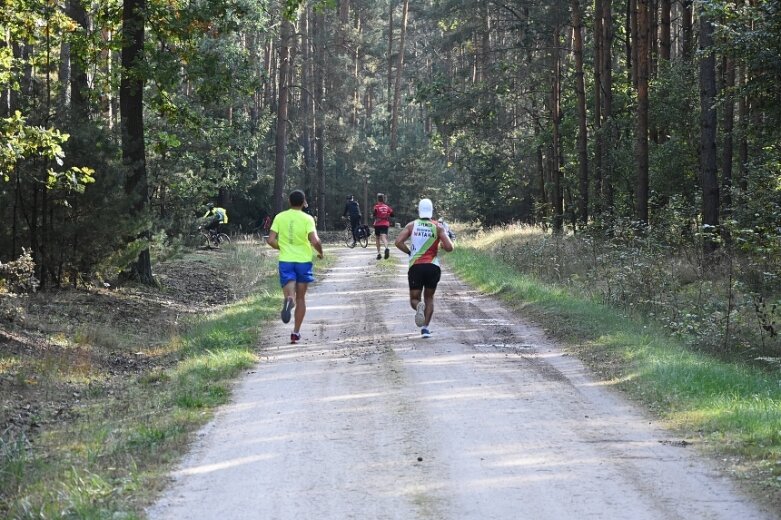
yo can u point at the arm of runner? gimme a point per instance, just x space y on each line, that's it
444 238
402 238
315 241
272 239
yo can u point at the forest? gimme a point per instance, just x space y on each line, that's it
119 121
612 171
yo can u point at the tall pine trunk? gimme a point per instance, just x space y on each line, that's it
728 69
580 93
607 106
318 37
280 148
131 101
641 115
599 138
555 108
708 159
397 83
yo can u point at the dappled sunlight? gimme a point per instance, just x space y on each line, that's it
628 378
517 234
220 466
351 397
330 306
478 393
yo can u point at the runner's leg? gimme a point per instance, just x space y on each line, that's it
414 297
428 298
300 295
288 293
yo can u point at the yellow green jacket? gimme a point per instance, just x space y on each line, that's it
219 212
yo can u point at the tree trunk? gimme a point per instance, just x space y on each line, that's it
687 29
631 41
580 92
728 68
558 202
280 156
708 161
79 87
390 55
607 105
131 100
743 124
357 56
641 115
307 108
599 138
665 42
319 80
5 94
397 84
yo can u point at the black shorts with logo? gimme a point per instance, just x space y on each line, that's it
423 275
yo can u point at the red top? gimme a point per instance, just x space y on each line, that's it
382 214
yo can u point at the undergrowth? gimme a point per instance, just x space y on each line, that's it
108 461
731 309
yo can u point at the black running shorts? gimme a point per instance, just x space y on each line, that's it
423 275
380 230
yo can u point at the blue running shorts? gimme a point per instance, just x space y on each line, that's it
299 272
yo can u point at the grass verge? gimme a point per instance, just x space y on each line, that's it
732 410
111 459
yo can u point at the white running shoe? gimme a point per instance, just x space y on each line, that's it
420 314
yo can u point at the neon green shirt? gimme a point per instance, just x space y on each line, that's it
293 227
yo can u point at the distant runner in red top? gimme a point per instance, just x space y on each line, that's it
425 235
382 214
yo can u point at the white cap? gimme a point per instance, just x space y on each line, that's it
425 208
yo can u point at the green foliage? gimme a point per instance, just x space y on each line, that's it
20 141
658 277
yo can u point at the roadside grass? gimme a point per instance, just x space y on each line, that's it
112 458
733 410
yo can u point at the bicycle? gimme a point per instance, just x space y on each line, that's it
214 238
361 235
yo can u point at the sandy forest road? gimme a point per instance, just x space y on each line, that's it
507 427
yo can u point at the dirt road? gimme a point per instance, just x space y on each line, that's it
485 420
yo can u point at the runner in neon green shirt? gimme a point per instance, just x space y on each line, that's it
293 233
292 228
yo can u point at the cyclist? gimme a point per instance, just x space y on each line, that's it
216 216
353 211
382 214
425 236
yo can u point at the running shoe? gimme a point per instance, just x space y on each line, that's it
287 306
420 314
387 253
295 337
379 256
425 333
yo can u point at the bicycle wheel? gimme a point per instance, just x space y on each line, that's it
348 240
364 240
222 238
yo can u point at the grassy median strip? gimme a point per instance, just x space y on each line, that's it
112 458
733 409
